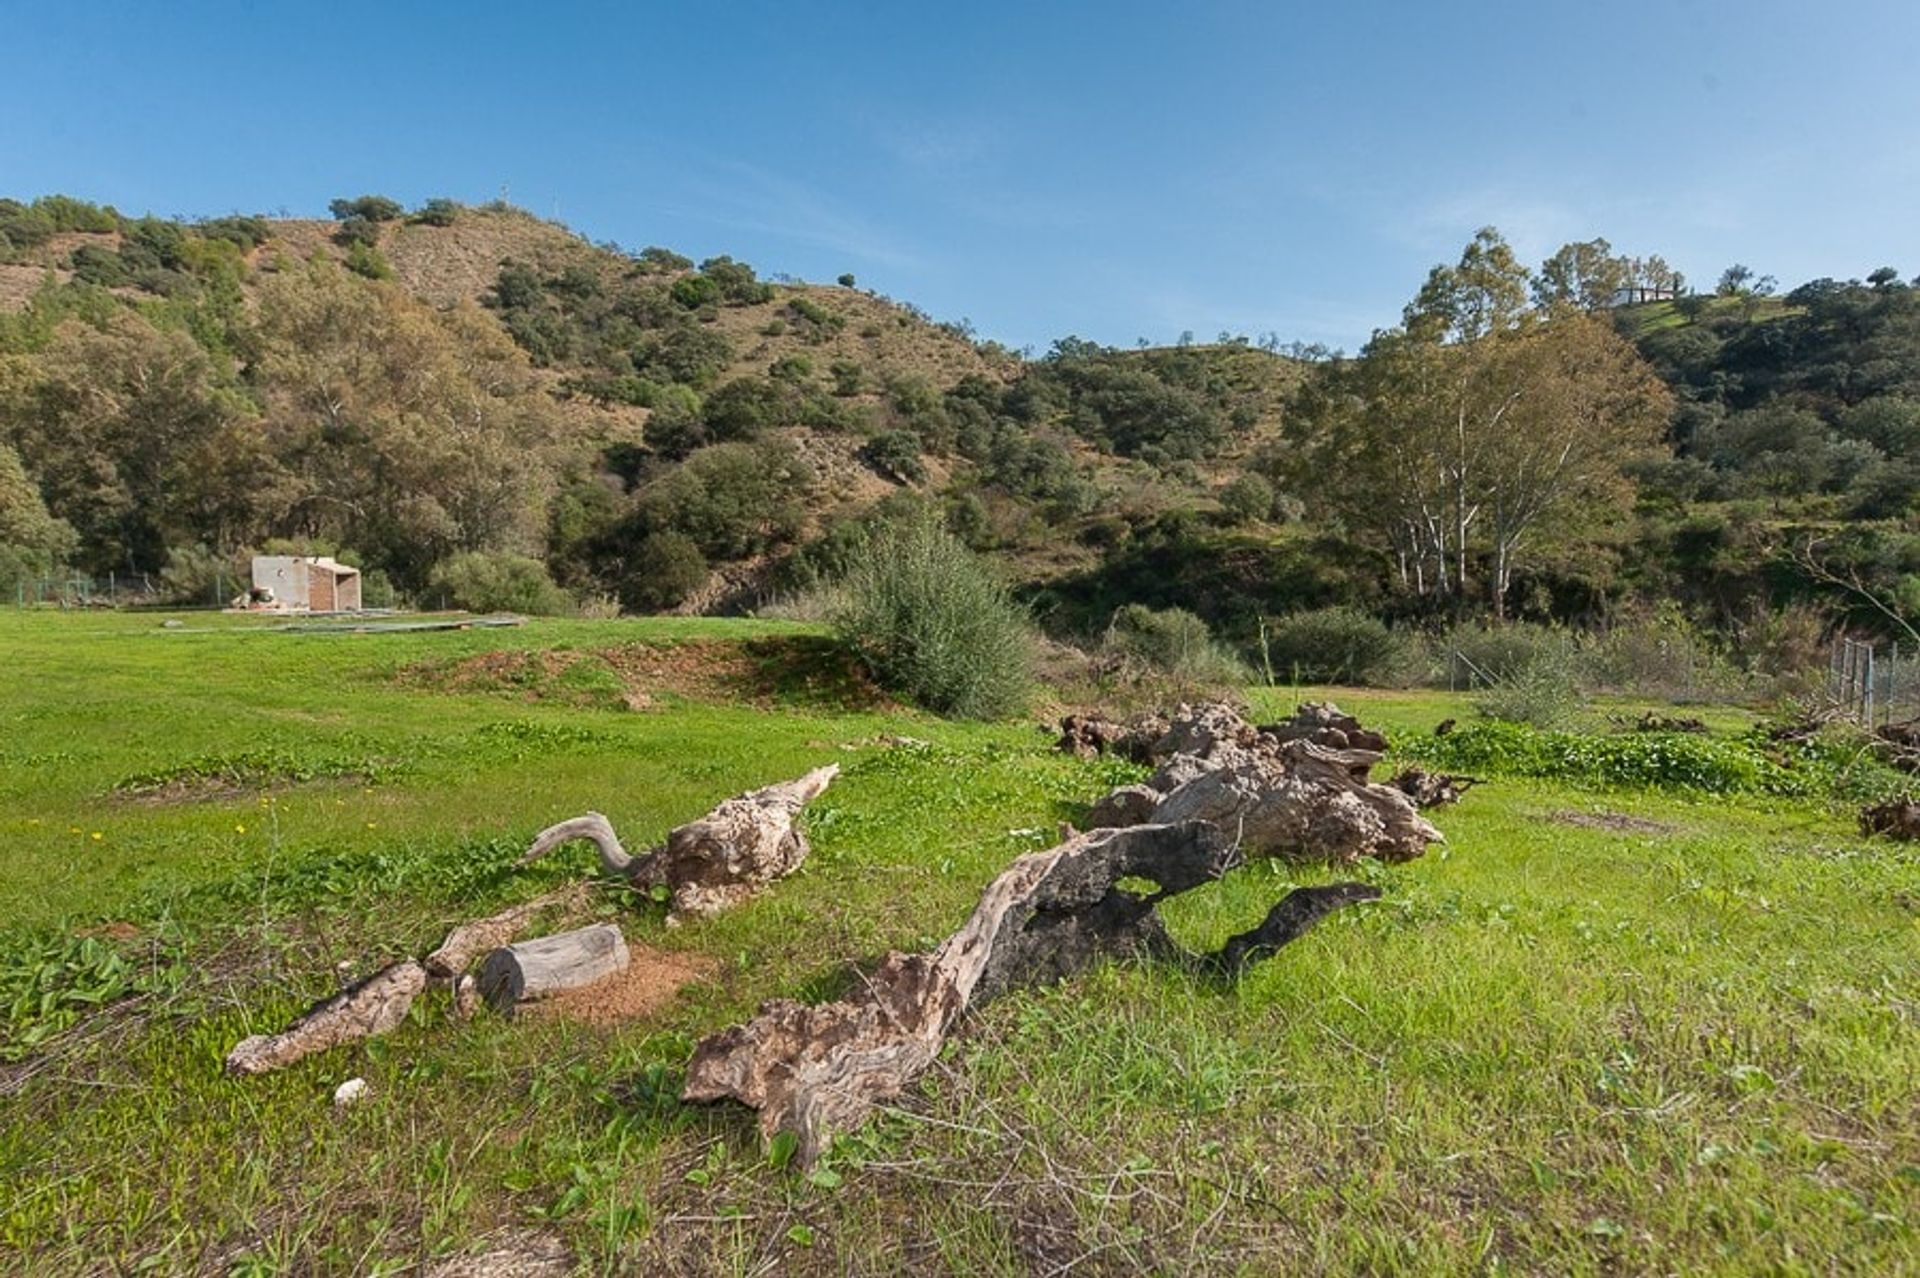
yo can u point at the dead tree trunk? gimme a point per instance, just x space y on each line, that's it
374 1006
814 1071
534 969
720 860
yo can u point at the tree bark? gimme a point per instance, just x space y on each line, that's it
529 970
818 1070
371 1007
469 941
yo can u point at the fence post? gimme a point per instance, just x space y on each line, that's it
1866 699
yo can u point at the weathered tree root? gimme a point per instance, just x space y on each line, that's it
1894 819
718 861
1431 789
818 1070
371 1007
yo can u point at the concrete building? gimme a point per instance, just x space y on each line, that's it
303 583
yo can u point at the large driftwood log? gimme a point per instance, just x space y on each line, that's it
1297 790
814 1071
723 858
371 1007
529 970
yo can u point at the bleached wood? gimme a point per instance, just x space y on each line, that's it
533 969
371 1007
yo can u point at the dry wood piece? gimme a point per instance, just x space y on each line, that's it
814 1071
547 965
469 941
1291 790
1896 819
1431 789
723 858
374 1006
1088 736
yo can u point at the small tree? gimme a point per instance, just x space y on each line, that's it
847 280
373 208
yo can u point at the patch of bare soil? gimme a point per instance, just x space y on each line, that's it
1614 822
225 789
649 983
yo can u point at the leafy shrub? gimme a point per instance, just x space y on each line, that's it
662 571
1247 499
482 582
438 211
1542 692
198 575
371 208
365 259
1172 641
1330 645
934 623
733 500
1661 654
896 455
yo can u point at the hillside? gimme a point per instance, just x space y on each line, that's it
662 433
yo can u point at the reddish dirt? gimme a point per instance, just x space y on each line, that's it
648 984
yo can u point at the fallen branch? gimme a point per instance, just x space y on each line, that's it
814 1071
707 865
468 941
371 1007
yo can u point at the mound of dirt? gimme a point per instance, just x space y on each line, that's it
774 670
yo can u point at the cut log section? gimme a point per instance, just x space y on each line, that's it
720 860
371 1007
529 970
814 1071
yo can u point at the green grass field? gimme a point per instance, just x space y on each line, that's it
1626 1031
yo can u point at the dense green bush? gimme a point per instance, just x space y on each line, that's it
1247 499
438 211
372 208
662 571
733 500
481 582
896 455
1330 645
1172 641
935 624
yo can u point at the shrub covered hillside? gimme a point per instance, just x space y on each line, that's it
484 409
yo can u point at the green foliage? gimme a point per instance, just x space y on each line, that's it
1543 690
1247 499
935 624
438 211
896 455
664 568
1174 642
1826 768
479 581
367 260
369 208
1330 645
732 500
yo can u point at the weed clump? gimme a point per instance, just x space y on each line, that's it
934 623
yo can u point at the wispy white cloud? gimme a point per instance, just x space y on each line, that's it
748 197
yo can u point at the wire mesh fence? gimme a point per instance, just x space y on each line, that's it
1872 685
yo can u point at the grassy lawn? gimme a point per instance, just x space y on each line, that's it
1598 1032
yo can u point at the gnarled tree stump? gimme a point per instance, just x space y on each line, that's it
720 860
818 1070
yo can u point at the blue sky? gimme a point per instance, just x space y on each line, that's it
1115 171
